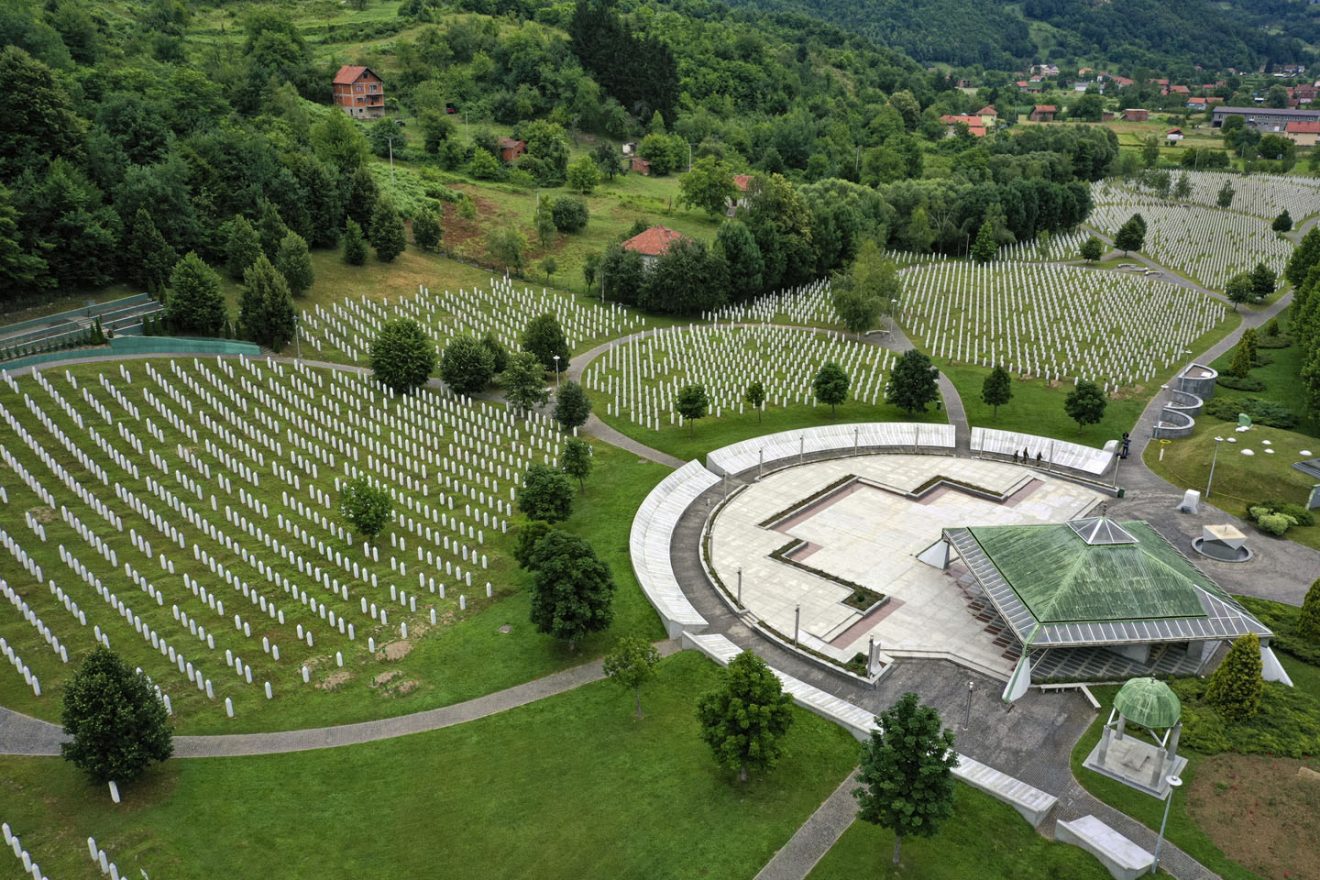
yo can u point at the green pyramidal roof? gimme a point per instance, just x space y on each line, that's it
1148 702
1095 570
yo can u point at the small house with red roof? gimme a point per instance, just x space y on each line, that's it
742 183
359 92
652 244
1173 136
975 127
640 165
1043 113
511 149
989 115
1136 114
1303 134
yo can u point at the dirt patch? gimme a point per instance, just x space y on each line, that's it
385 678
1261 812
405 687
396 650
43 515
333 681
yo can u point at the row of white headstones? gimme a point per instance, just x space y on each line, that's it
350 325
336 427
1265 196
642 376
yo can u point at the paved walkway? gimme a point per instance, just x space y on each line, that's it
22 735
813 839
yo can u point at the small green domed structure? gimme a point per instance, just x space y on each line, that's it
1148 702
1146 766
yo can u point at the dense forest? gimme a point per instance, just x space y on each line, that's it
143 136
997 34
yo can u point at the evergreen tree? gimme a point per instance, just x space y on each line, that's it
294 262
746 718
266 307
1131 235
117 723
467 366
149 256
270 229
194 302
545 339
387 232
524 382
913 383
735 245
907 772
360 205
242 247
692 404
1226 193
427 231
985 247
355 245
997 389
1308 620
631 664
1283 222
1235 688
1241 363
20 272
831 385
755 396
402 355
572 588
1085 404
1304 256
576 461
572 406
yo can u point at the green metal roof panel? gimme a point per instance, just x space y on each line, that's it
1062 578
1148 702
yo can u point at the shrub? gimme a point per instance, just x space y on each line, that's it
569 214
1275 524
1235 687
1240 383
1262 412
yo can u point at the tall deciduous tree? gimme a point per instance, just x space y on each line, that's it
1131 235
907 772
524 382
20 272
1092 249
997 389
544 338
576 461
194 303
745 720
467 366
572 406
508 247
545 494
709 186
1236 687
913 383
402 355
632 664
755 396
1304 256
1085 404
118 725
831 385
583 175
572 589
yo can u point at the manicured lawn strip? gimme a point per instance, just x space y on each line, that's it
464 657
1280 376
983 838
1240 480
711 433
1037 408
1182 829
568 787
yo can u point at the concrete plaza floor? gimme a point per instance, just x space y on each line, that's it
870 533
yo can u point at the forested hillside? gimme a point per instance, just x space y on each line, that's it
1175 34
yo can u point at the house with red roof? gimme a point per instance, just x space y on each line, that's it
511 149
1303 134
359 92
742 183
975 127
1173 136
1043 113
653 244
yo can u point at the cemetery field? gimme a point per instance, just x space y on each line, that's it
1184 829
1241 480
186 513
1057 322
342 331
983 838
573 784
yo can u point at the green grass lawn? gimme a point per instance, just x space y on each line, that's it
1280 376
983 838
1182 829
694 441
465 656
568 787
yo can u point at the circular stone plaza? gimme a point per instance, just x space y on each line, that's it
857 547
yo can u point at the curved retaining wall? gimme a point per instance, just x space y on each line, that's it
1197 379
649 540
860 436
1174 424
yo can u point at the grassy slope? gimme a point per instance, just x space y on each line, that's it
983 838
600 795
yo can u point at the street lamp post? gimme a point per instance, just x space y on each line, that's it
967 719
556 374
1213 458
1174 783
740 604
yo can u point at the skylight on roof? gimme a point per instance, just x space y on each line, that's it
1100 531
